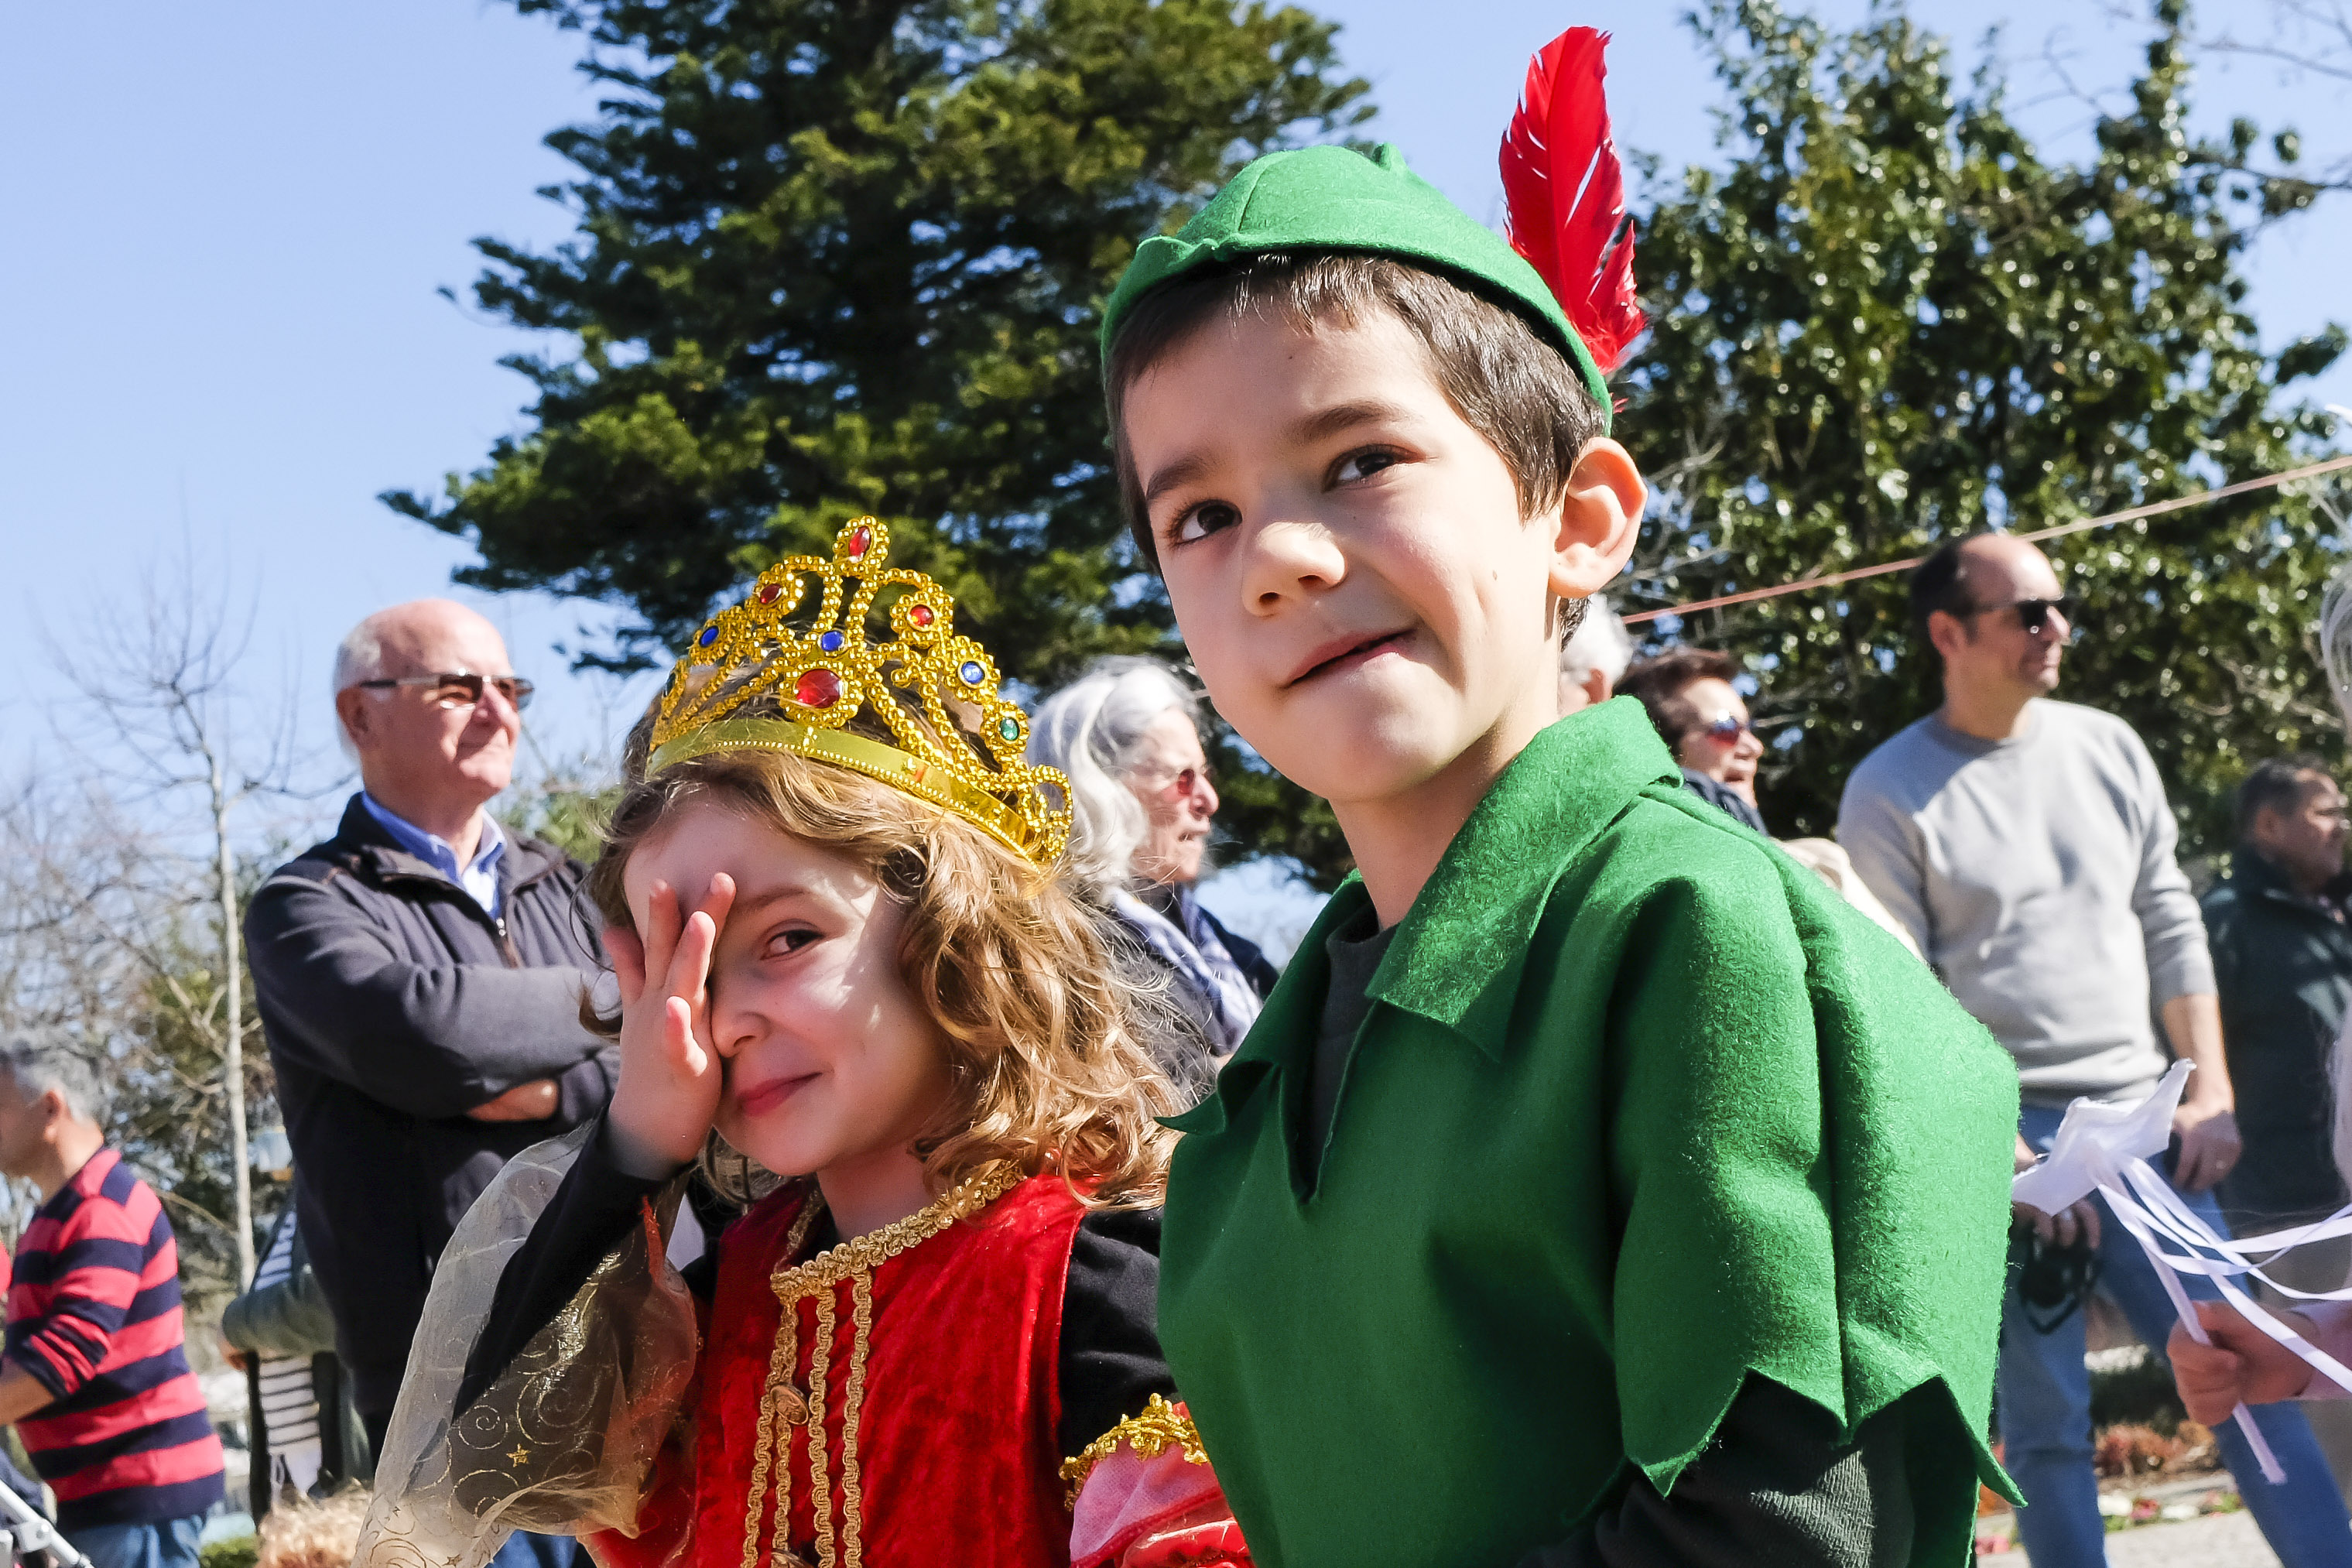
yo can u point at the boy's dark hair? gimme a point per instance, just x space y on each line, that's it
1939 583
1525 397
1660 683
2277 784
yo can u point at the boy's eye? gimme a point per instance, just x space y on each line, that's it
1200 520
1359 466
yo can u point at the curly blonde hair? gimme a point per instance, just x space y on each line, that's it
301 1532
1046 1041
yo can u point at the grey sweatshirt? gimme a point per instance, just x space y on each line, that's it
2037 875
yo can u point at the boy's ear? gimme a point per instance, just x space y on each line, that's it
1599 517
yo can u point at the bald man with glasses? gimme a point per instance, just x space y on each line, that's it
2028 846
419 977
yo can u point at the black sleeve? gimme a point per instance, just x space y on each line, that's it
1111 1360
1775 1490
590 1211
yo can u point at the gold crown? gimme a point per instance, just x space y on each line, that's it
827 671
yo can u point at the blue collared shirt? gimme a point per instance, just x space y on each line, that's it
480 879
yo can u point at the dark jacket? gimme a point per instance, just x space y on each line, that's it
1255 966
393 1004
2283 963
291 1319
1193 1038
1721 796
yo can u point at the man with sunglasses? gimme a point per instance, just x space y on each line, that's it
419 977
2028 846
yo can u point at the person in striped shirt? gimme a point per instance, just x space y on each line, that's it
95 1374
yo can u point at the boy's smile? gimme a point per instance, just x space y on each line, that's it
1349 564
1349 651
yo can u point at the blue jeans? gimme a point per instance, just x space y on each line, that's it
2044 1406
170 1544
524 1550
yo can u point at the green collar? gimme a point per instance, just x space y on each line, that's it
1457 957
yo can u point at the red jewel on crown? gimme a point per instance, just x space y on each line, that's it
817 688
826 673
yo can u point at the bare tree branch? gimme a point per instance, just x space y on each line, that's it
160 712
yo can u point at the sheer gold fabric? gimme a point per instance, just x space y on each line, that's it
564 1441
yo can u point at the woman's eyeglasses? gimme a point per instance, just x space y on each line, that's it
2032 614
461 689
1183 783
1726 727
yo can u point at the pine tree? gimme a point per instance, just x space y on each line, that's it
838 257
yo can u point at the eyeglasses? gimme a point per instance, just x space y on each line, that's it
2032 614
462 689
1187 781
1726 727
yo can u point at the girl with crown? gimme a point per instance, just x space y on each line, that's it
848 974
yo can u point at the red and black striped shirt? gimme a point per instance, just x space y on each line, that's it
94 1314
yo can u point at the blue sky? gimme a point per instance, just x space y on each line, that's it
227 223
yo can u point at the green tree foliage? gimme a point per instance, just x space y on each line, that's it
565 805
838 257
1887 320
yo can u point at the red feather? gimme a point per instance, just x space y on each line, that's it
1565 193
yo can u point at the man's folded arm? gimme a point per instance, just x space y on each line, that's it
431 1040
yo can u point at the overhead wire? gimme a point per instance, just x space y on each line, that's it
2153 509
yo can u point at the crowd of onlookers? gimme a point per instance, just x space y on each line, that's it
2025 848
419 976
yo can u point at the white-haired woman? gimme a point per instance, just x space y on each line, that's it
1125 732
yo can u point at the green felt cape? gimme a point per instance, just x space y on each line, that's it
1332 198
1640 1109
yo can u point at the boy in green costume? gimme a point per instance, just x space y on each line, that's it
1596 1187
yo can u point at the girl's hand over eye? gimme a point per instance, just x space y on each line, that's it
670 1073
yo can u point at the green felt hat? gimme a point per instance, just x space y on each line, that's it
1334 198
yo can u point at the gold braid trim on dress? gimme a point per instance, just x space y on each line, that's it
1151 1434
784 1406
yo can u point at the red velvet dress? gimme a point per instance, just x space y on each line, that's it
930 1351
896 1401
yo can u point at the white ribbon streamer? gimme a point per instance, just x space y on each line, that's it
2104 1148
